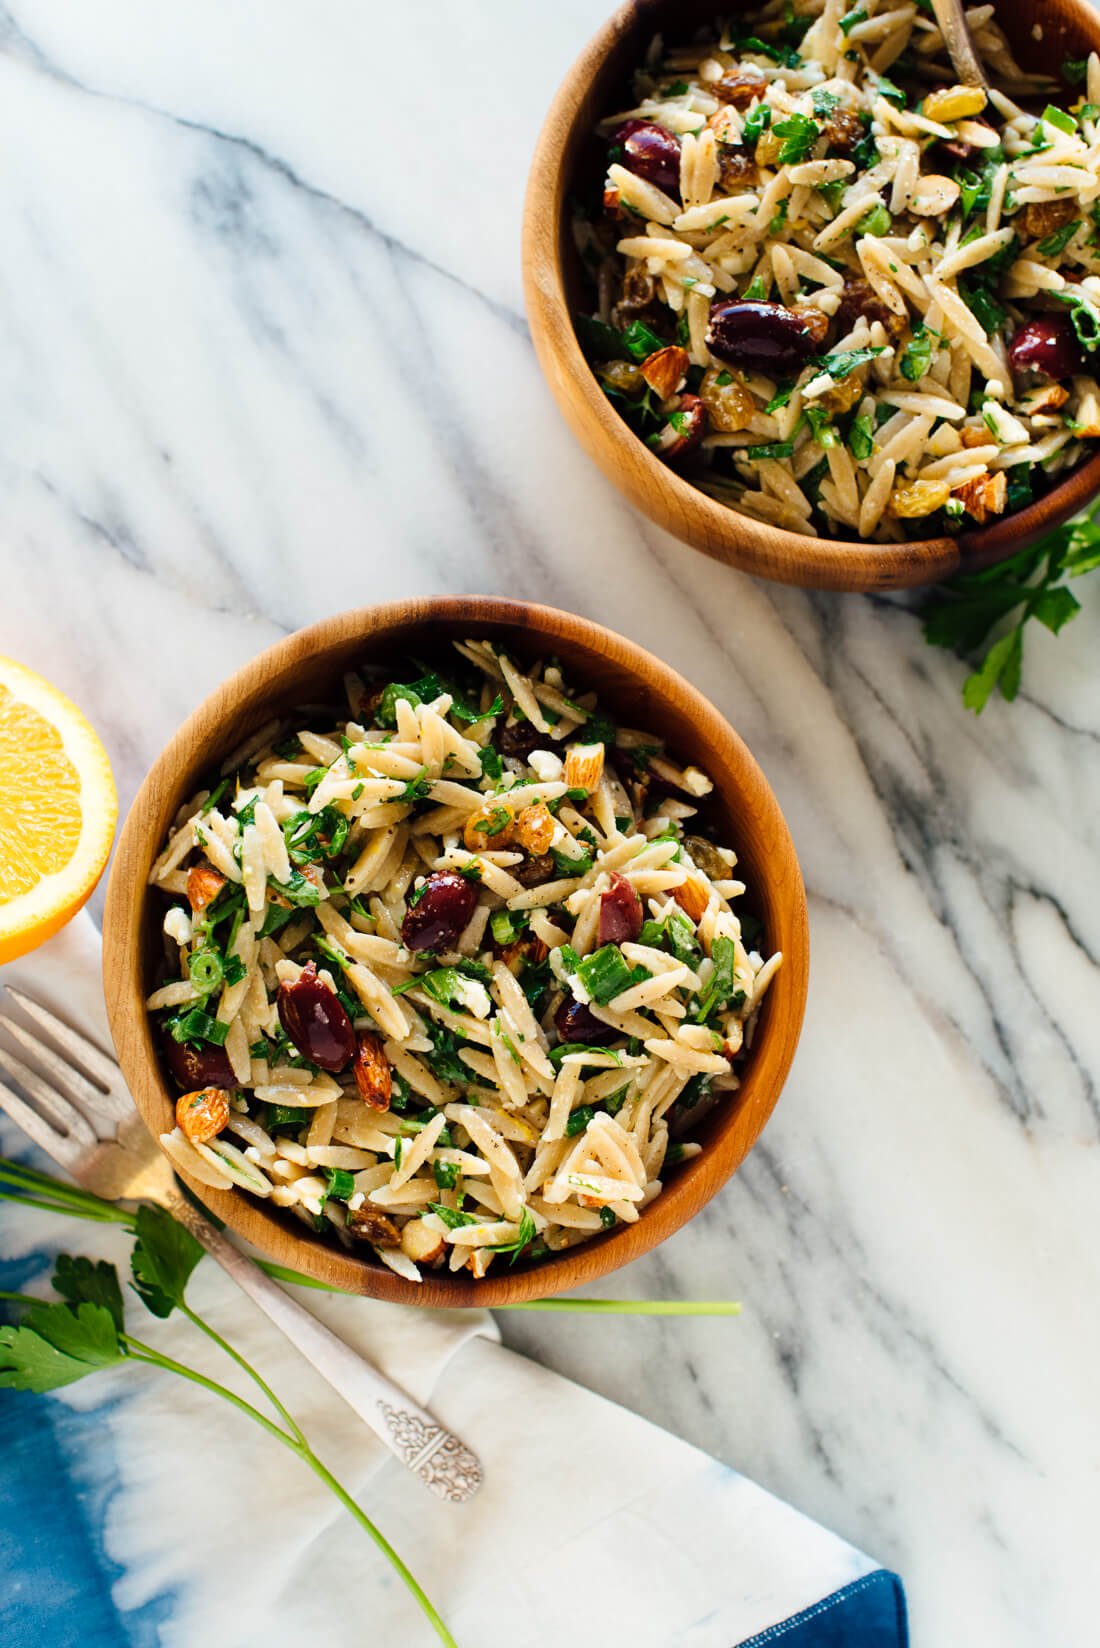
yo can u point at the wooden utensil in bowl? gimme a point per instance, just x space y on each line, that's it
636 687
567 163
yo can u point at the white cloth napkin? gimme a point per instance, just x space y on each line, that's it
593 1527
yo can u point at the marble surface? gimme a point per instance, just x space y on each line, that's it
263 355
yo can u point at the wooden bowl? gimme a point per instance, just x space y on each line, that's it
305 667
568 161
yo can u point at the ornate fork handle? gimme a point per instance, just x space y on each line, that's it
438 1458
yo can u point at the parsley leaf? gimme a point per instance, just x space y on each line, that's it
164 1256
56 1345
963 613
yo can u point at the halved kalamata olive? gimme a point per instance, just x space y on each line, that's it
762 337
196 1067
1046 346
620 912
576 1022
316 1021
650 152
442 909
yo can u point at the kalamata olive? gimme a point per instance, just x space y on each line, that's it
650 152
316 1021
1046 346
576 1022
437 920
761 337
620 912
196 1067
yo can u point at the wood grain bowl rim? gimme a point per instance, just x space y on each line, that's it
652 486
246 698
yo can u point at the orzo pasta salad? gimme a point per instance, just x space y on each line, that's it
844 293
448 972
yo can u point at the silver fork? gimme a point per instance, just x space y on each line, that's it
75 1106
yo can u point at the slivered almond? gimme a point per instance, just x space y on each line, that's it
665 370
693 896
479 1261
535 828
934 195
373 1076
203 886
583 766
421 1243
492 827
202 1115
984 496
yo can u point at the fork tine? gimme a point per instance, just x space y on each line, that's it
63 1150
72 1082
100 1064
53 1108
116 1102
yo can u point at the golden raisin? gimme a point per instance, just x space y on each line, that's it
535 828
1042 217
738 87
919 498
490 827
374 1227
729 404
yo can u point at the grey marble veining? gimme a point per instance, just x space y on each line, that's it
262 355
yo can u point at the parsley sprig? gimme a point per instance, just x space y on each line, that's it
1032 584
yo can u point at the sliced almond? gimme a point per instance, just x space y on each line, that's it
984 496
373 1076
203 886
665 370
693 896
583 766
202 1115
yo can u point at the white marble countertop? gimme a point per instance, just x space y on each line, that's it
263 355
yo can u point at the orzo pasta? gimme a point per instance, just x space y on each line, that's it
448 971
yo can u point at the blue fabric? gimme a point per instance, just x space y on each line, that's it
870 1613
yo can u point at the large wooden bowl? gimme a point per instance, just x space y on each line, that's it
566 164
639 689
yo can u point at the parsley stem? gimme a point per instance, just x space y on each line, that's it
21 1298
72 1209
246 1367
633 1307
606 1307
325 1475
297 1444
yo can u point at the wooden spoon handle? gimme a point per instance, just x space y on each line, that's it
953 26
